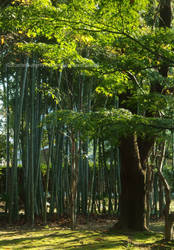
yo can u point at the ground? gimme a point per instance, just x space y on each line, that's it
91 234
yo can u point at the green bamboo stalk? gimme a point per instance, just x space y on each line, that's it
53 174
74 179
27 179
38 144
80 182
118 166
86 169
60 181
110 187
6 92
51 144
66 178
32 188
93 184
13 207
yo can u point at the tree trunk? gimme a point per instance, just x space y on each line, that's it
168 231
133 203
149 181
166 22
161 200
169 216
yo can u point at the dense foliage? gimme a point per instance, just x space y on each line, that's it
78 79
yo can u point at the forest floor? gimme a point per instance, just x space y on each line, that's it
91 234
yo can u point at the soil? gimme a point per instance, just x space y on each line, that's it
92 222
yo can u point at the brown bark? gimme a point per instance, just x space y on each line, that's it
169 216
133 202
74 180
161 200
168 230
165 22
134 155
149 181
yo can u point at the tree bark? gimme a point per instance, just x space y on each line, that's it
168 229
133 202
169 216
149 181
166 22
134 155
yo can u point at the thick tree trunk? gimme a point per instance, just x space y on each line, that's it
166 22
168 231
134 155
133 202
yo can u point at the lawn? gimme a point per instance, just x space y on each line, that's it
93 235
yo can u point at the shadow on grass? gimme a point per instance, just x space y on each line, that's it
32 238
151 240
83 239
74 239
106 244
157 226
68 238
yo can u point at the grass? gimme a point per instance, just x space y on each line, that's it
56 237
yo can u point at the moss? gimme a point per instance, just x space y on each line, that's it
59 238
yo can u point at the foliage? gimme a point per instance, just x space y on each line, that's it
120 122
80 61
117 49
3 148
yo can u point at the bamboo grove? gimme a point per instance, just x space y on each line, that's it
71 91
50 161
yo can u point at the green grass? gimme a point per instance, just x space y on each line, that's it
62 238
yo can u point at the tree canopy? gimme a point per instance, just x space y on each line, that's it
88 71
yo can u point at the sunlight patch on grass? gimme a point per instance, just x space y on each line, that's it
146 237
59 238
